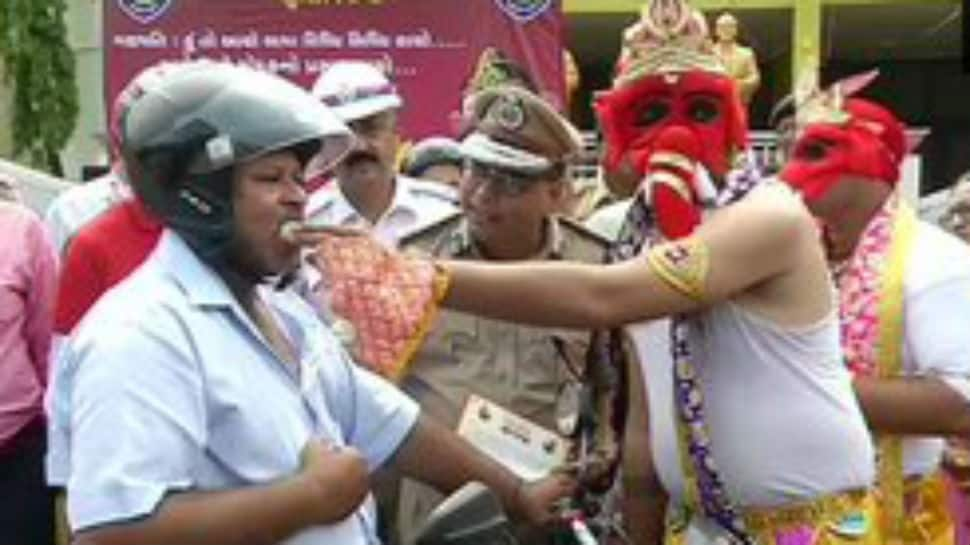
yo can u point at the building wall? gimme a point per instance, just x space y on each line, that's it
86 146
6 118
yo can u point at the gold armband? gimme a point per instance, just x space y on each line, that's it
440 282
682 264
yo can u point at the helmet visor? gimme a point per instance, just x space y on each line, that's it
235 114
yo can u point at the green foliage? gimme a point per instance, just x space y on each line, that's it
41 65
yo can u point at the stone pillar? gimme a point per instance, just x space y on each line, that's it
806 38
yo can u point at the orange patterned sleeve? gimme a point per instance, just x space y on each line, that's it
389 298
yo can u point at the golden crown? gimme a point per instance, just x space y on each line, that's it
671 37
816 105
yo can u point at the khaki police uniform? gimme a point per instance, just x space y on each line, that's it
518 367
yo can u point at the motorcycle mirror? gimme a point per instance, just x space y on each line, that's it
472 515
568 407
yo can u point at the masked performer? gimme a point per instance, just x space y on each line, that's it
754 429
904 290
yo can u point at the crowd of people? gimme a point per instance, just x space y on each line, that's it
722 355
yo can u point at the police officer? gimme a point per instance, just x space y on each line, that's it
367 191
515 177
438 159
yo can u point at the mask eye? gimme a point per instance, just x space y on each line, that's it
703 110
813 150
652 113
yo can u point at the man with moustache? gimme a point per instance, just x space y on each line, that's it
208 406
367 191
516 174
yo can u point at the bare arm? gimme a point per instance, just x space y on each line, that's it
457 462
935 398
251 516
331 485
644 500
749 243
913 406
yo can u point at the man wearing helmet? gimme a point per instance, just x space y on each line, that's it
220 410
904 288
367 190
98 255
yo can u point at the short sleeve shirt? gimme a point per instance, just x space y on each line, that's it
936 321
168 386
415 204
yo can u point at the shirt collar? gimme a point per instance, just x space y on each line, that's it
343 211
199 281
403 200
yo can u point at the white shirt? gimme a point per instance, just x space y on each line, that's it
783 419
75 207
168 386
608 221
937 326
415 204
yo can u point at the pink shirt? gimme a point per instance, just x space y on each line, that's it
28 269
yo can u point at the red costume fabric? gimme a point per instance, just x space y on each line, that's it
708 105
103 253
695 115
870 144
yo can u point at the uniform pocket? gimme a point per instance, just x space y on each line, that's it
552 356
458 332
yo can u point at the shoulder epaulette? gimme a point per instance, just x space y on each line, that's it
431 231
569 224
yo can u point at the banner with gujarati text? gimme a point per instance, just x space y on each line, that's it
430 46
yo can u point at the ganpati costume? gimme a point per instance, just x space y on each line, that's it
904 295
755 431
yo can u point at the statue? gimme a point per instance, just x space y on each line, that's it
572 76
740 61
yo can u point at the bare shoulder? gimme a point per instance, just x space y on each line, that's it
767 234
772 209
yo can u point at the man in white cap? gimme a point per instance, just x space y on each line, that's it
367 190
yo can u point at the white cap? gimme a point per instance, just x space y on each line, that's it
355 89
